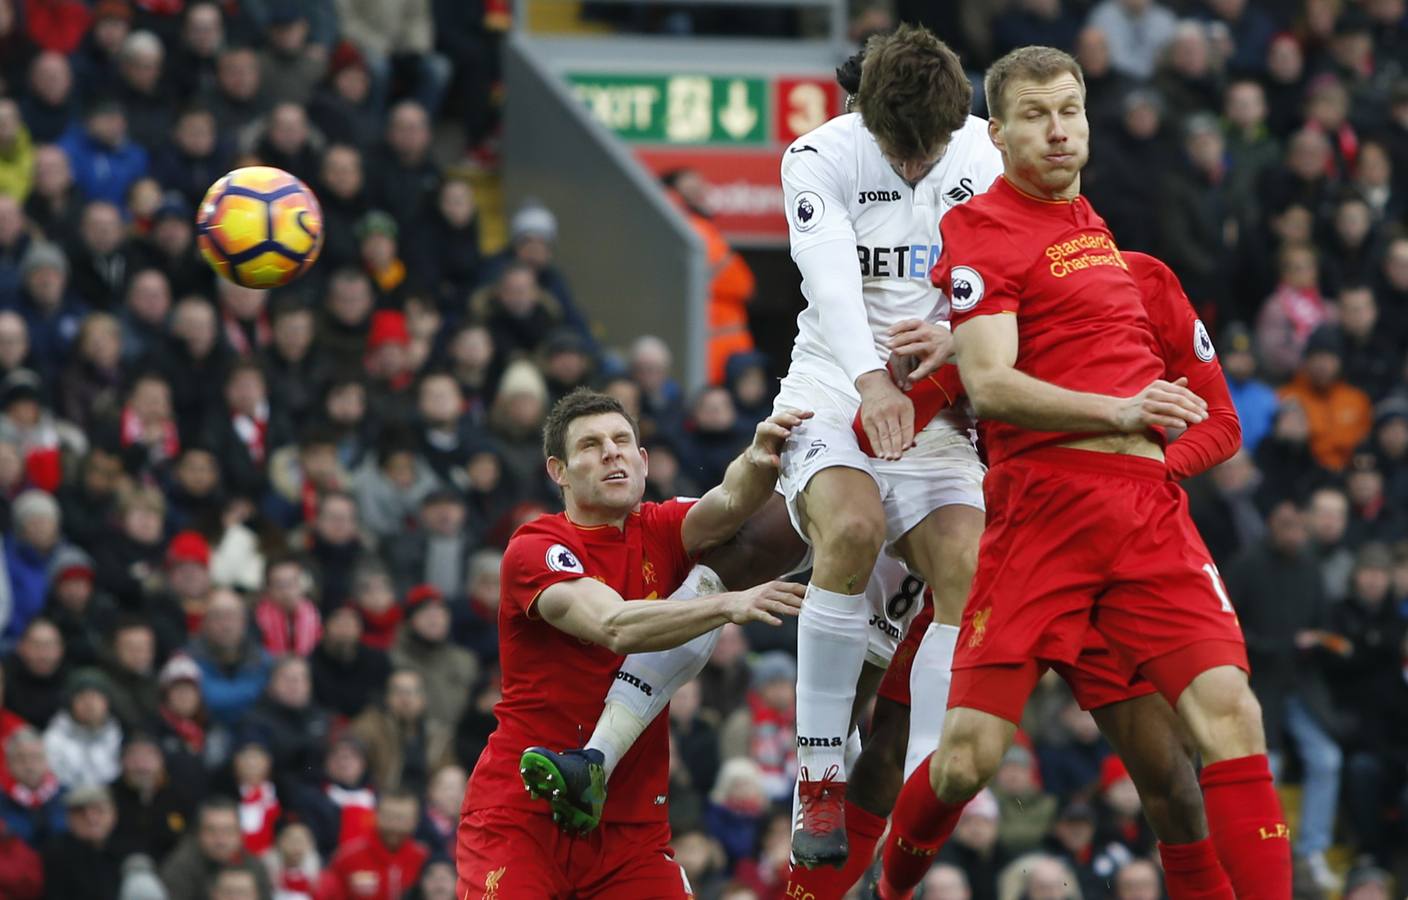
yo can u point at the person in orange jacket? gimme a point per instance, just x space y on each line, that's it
1340 414
383 865
731 283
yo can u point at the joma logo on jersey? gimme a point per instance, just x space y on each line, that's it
865 197
913 261
636 683
885 626
819 741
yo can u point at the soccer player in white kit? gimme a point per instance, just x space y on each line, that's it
864 194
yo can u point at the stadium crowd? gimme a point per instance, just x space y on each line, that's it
252 540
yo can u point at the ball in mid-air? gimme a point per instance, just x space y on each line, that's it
259 227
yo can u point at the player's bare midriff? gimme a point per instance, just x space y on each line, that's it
1124 444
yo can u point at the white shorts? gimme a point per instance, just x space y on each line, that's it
942 469
893 597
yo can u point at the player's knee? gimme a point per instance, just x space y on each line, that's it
961 767
852 534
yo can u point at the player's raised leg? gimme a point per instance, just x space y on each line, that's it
841 511
574 782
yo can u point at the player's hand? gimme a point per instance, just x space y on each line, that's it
918 349
771 434
886 414
1162 403
764 603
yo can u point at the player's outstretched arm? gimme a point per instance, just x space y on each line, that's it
987 354
747 484
587 609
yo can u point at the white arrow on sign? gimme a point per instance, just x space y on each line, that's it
736 116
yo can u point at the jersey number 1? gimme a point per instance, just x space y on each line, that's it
1218 588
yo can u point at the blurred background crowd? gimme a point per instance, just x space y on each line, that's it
249 581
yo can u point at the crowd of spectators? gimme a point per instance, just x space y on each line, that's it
249 581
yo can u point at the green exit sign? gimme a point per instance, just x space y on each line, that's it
677 109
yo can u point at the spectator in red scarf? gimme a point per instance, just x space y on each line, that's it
383 865
765 728
340 806
246 430
375 599
148 420
31 801
244 320
287 618
293 863
182 724
1292 313
260 808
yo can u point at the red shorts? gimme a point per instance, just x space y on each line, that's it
1078 540
895 685
506 854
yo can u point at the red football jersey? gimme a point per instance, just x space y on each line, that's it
554 685
1081 323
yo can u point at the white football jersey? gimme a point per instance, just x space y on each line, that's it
839 188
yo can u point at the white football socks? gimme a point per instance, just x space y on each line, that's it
831 643
929 679
646 681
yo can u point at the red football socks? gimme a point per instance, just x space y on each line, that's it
930 397
1248 827
1192 872
863 830
919 827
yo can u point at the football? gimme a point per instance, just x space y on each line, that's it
259 227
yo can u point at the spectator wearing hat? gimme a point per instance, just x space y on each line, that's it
447 251
344 108
291 64
380 864
423 644
214 844
338 803
1391 447
1121 831
1028 811
516 420
84 740
82 863
140 880
404 744
129 661
31 797
402 174
182 721
1072 840
764 728
154 809
294 726
1280 602
29 552
533 242
566 363
42 439
234 668
1340 415
35 673
170 247
287 618
105 160
21 869
347 674
380 256
437 550
51 311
